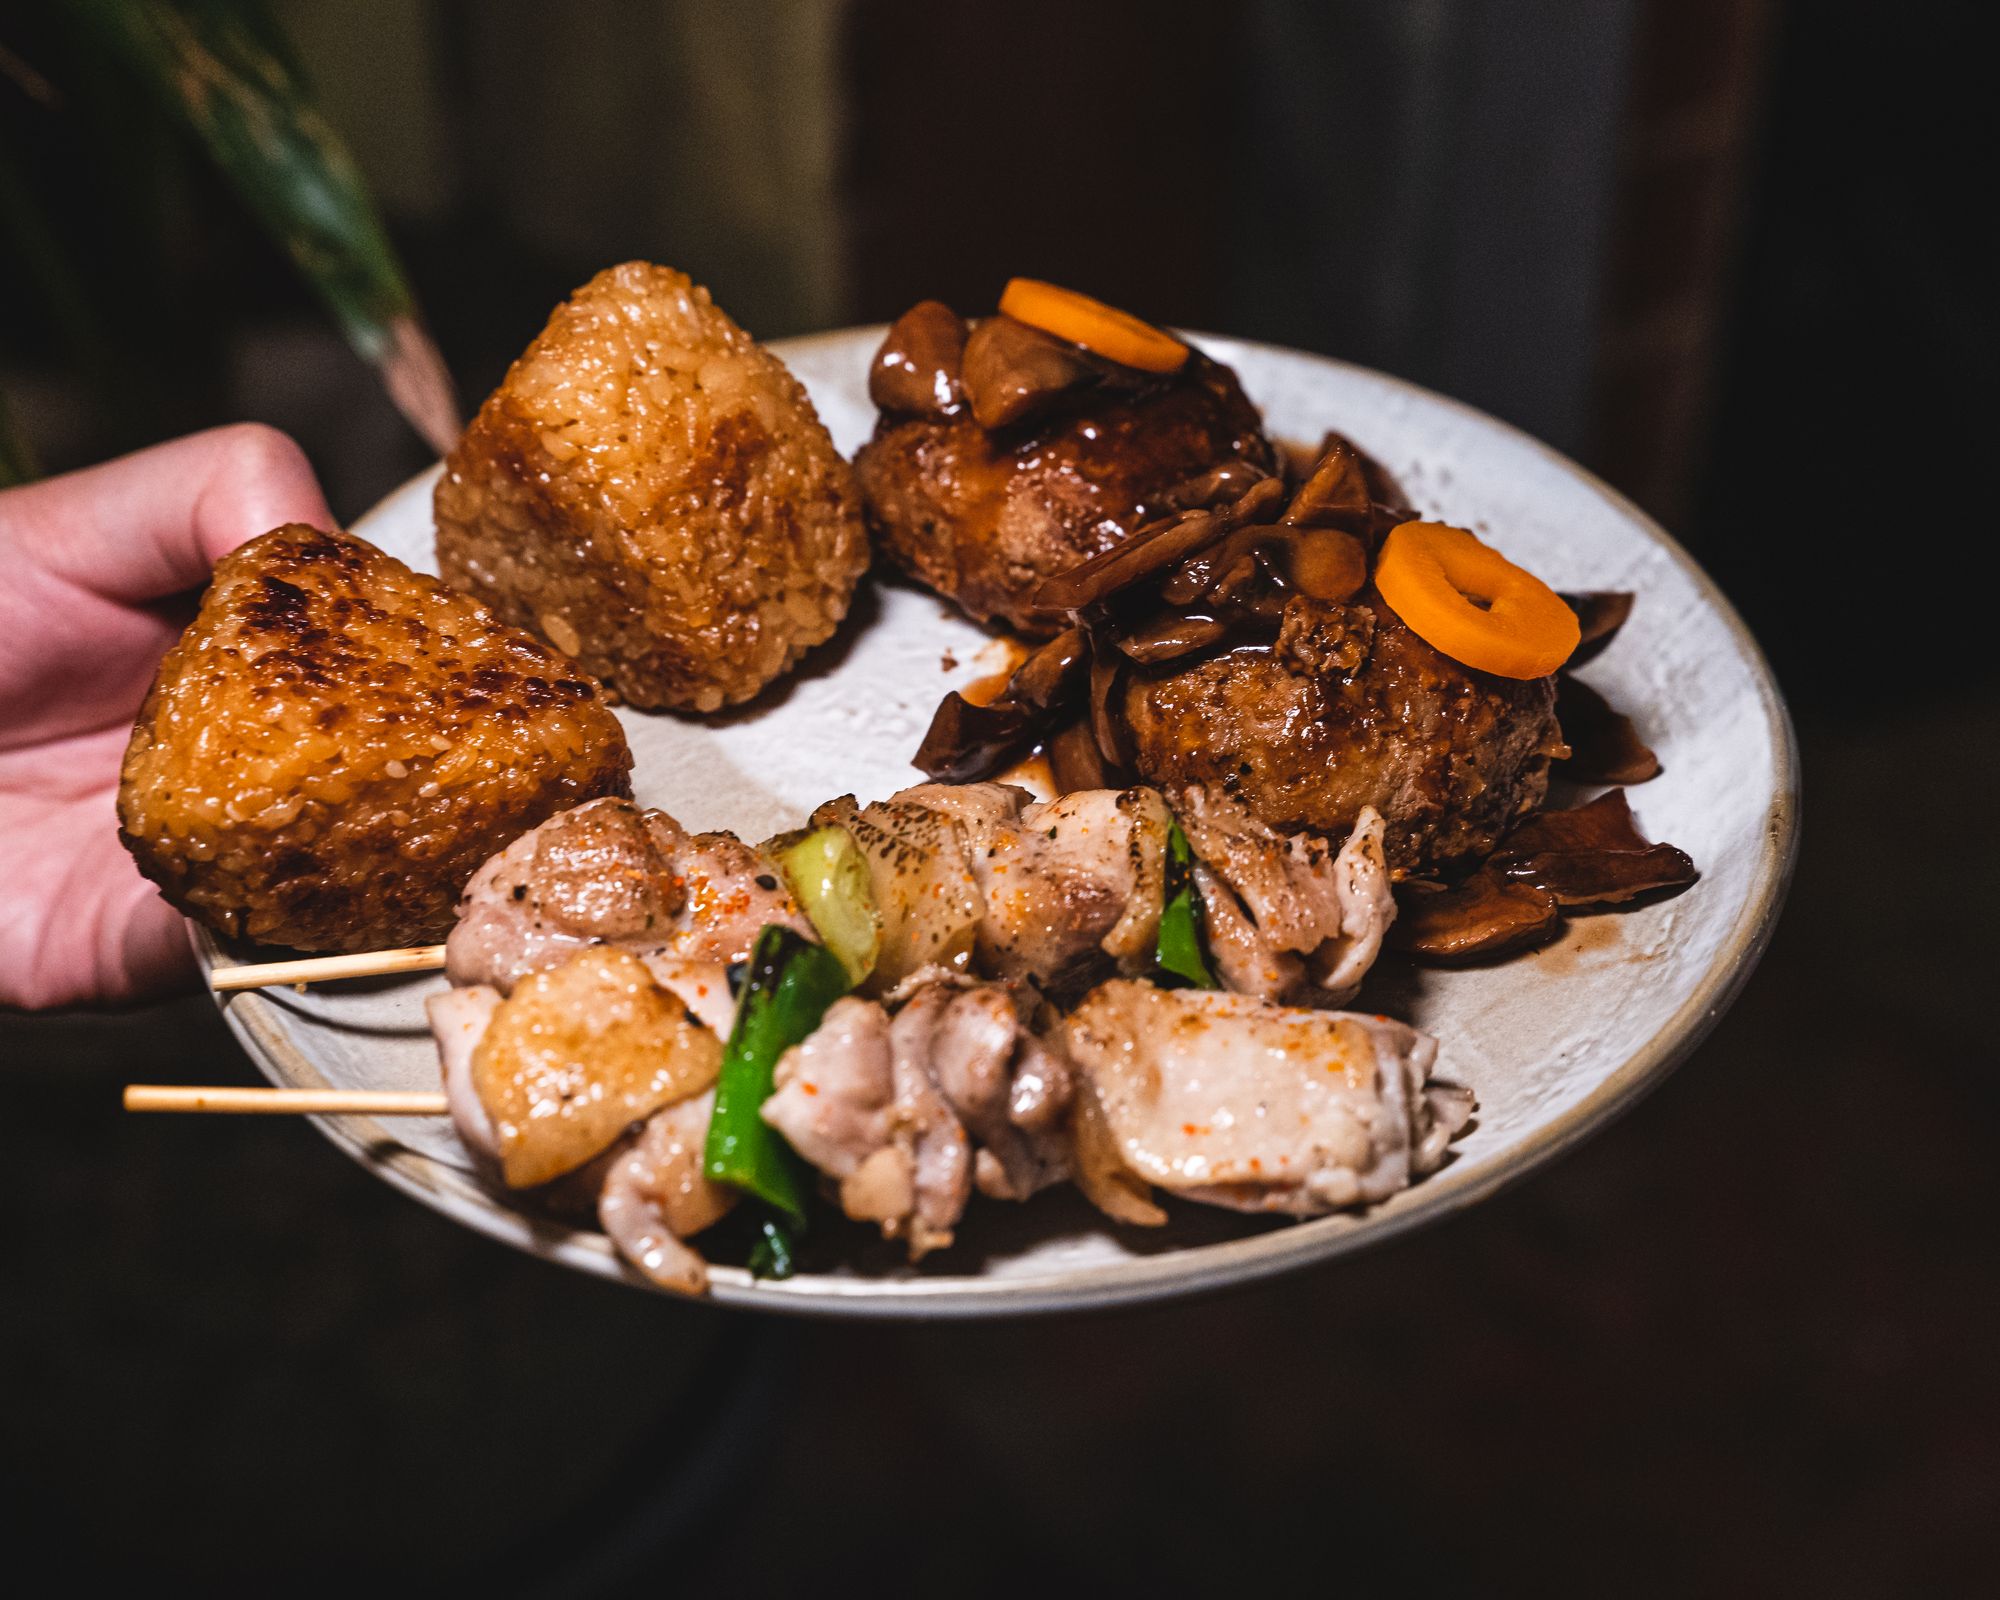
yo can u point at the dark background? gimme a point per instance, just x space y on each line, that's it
1731 253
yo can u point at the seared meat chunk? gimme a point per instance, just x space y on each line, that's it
578 1054
610 873
859 1103
1232 1101
336 742
655 1195
595 1066
982 874
1450 756
459 1019
1063 883
984 515
1008 1088
653 492
890 1106
1288 917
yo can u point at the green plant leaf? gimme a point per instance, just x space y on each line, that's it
222 67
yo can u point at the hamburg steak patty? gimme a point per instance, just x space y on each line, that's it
1349 708
1088 451
1238 643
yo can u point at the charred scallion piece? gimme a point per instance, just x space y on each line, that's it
1183 945
790 984
828 876
774 1255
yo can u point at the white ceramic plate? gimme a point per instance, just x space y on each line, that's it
1554 1044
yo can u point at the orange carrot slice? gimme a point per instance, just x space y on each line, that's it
1116 335
1432 574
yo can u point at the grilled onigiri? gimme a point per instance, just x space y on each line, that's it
653 493
337 742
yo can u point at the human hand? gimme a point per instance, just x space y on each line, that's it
96 570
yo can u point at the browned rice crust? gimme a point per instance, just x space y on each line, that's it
653 492
337 742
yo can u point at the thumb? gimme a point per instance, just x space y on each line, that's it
154 523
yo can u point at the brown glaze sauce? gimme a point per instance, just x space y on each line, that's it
983 691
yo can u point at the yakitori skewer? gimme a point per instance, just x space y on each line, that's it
322 969
294 1102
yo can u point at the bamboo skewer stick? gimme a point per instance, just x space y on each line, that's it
295 1102
321 969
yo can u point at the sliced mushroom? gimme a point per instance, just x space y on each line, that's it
1604 746
1256 609
1600 613
1169 637
1590 855
1013 372
1389 504
966 742
1201 573
1605 823
1603 877
1326 564
917 369
1150 550
1216 487
1153 549
1107 719
1241 580
1076 763
1335 493
1051 675
1482 917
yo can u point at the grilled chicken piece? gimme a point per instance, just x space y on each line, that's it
702 986
857 1100
459 1018
647 1187
610 873
1350 712
981 809
1009 1089
336 743
981 874
1064 883
1288 917
890 1105
578 1054
983 516
654 1195
1226 1099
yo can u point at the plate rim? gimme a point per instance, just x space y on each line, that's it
1173 1273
